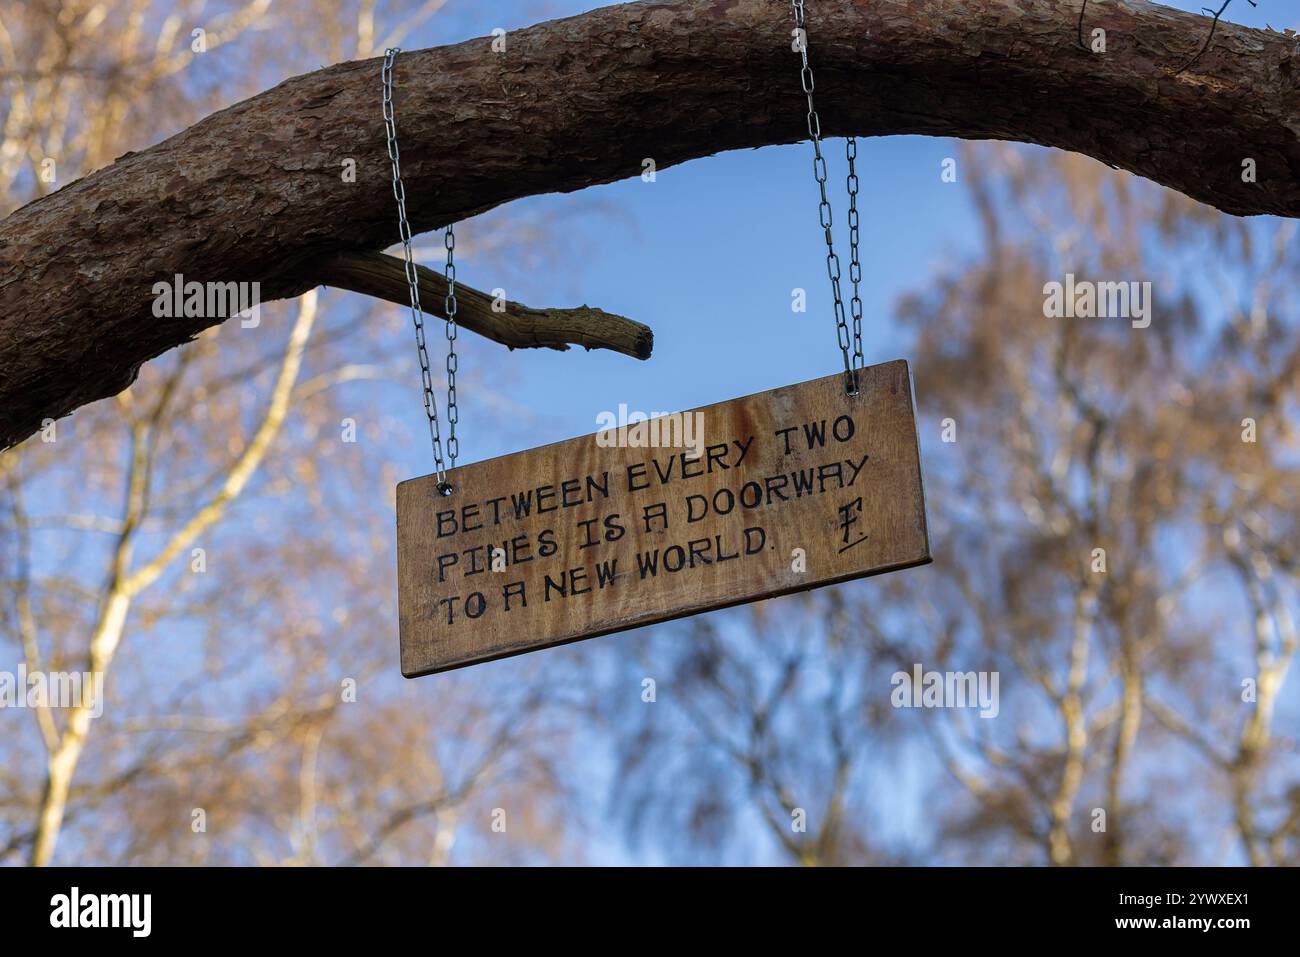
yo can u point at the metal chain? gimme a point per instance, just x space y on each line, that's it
449 305
851 362
855 264
417 312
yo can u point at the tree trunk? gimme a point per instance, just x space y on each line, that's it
255 192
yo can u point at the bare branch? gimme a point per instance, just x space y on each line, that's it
518 326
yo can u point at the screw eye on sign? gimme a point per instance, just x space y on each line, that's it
777 492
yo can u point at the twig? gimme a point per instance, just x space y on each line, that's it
1209 39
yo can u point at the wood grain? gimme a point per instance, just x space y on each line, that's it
590 539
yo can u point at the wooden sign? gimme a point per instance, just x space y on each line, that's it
647 521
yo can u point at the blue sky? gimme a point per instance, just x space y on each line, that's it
707 256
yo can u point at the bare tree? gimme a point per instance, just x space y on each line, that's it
761 729
1127 495
1114 516
183 541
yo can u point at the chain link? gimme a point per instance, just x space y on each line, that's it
855 264
852 362
417 312
449 304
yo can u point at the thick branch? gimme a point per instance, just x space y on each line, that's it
519 326
255 192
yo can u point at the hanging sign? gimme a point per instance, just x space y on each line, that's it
648 521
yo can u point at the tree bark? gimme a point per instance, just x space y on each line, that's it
255 192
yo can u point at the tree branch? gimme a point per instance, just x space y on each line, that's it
124 585
255 192
519 326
